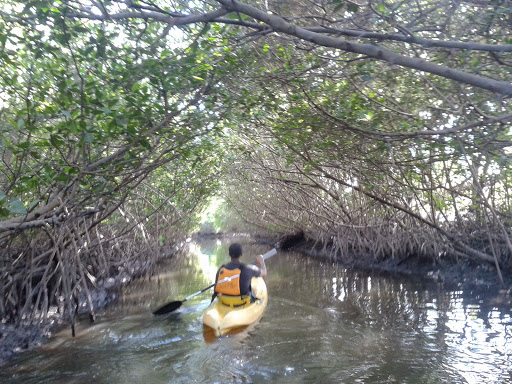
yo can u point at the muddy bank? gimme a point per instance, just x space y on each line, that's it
451 274
32 333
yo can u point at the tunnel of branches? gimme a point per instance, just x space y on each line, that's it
381 130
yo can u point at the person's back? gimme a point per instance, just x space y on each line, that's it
238 286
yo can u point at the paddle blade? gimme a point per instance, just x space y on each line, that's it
168 308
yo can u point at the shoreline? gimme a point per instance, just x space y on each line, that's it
463 274
32 333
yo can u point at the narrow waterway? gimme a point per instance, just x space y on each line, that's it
323 324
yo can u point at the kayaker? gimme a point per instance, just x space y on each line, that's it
237 291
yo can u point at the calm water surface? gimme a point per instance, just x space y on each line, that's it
323 324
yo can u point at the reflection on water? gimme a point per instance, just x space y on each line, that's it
323 324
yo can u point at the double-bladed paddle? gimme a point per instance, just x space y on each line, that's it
174 305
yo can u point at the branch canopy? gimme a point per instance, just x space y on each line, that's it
312 29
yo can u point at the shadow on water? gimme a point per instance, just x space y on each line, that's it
323 323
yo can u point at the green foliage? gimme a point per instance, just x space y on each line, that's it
227 220
109 110
83 108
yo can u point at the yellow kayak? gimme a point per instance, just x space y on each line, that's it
222 318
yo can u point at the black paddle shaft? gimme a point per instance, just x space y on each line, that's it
174 305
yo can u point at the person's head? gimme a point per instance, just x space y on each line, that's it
235 250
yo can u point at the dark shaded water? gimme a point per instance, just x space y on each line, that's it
323 324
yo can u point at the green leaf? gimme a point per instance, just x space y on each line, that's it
24 145
353 8
56 140
88 138
33 204
233 16
338 7
131 129
16 207
62 177
71 170
382 8
339 4
146 144
2 195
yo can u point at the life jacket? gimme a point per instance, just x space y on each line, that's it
229 291
232 287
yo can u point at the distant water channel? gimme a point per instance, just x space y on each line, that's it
323 324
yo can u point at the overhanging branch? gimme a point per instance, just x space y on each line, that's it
281 25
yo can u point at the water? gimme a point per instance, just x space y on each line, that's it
323 324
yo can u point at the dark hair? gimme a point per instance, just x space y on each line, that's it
235 250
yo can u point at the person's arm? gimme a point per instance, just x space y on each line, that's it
261 265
